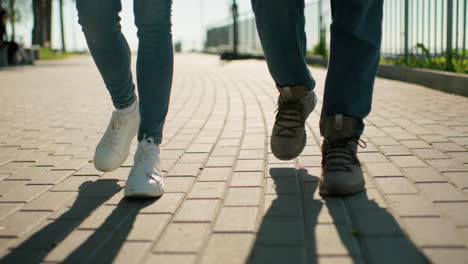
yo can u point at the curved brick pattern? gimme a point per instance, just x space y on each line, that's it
228 199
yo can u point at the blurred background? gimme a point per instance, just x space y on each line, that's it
419 33
190 19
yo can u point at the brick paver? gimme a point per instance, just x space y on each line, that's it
228 199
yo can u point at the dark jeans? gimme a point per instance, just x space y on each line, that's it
354 51
101 25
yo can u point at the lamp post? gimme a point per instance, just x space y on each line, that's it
234 54
235 14
202 28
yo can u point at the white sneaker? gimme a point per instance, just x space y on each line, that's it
114 146
145 179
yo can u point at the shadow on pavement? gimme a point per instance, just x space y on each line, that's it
299 229
105 243
102 246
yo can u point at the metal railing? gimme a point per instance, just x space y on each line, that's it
219 36
411 28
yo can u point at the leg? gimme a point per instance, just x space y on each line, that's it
354 57
154 74
154 65
100 23
280 25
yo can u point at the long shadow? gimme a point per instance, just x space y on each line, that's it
105 243
352 226
91 195
281 237
380 237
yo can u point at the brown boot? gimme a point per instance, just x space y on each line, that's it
341 170
288 138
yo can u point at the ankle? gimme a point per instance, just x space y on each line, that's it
129 109
339 127
150 141
292 93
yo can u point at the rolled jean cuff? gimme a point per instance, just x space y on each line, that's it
341 126
309 84
156 140
126 103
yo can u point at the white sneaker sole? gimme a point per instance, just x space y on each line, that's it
143 192
115 166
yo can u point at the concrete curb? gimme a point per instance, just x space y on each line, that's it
449 82
455 83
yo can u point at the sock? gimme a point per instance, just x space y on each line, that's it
129 109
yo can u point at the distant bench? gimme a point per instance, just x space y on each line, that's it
33 53
3 56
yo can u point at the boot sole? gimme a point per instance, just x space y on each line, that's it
339 190
304 142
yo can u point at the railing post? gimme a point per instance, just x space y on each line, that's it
449 50
464 28
320 18
406 31
202 29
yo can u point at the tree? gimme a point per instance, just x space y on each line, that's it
12 19
62 30
17 12
42 10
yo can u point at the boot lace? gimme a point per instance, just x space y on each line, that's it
289 117
340 154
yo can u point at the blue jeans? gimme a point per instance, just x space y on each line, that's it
100 22
354 51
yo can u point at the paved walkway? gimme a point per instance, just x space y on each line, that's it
228 199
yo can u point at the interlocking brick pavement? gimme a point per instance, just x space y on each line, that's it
228 199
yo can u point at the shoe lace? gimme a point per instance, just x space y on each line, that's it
289 116
340 154
146 161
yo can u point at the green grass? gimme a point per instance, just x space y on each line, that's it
452 62
49 54
424 60
459 65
